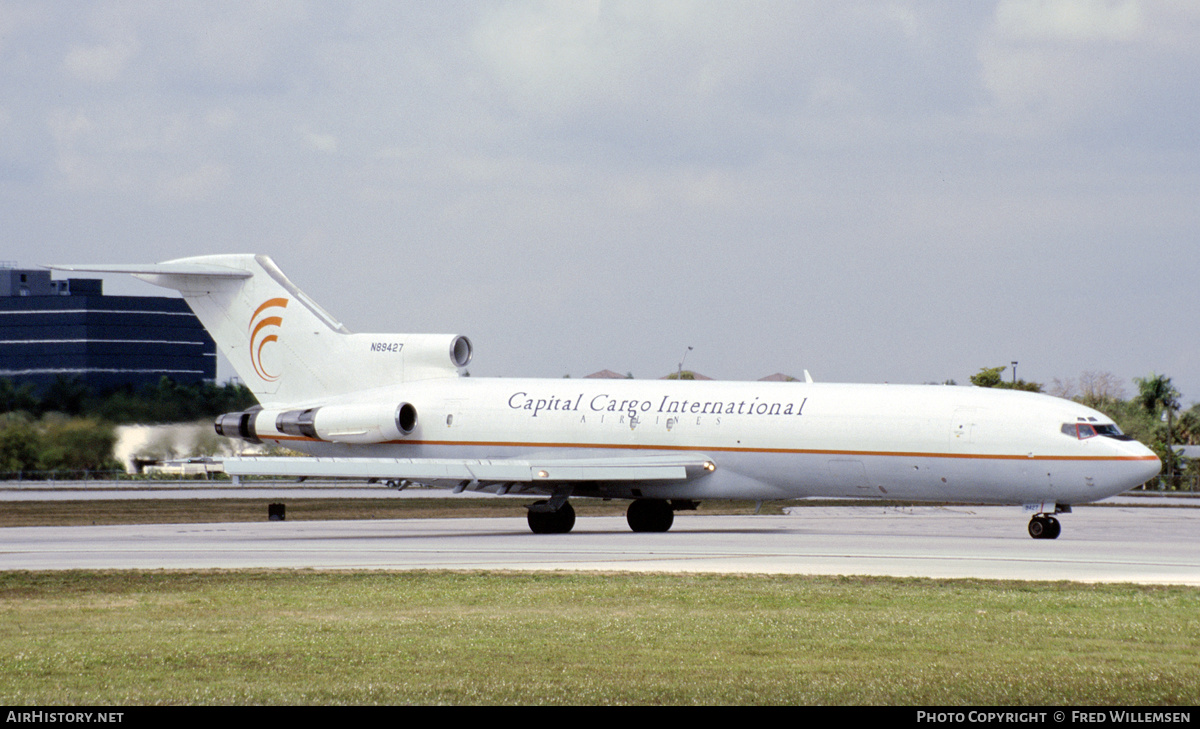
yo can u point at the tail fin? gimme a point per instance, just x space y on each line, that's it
284 346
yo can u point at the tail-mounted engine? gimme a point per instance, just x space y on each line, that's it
379 360
356 423
239 425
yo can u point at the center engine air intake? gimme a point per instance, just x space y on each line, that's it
461 351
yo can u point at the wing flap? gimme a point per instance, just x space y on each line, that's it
548 470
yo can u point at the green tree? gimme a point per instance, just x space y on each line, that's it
1188 433
77 444
1188 426
1158 397
992 377
170 402
1156 392
988 377
66 395
20 444
14 398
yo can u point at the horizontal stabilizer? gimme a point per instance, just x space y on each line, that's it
550 470
155 269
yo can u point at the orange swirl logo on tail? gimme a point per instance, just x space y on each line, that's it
259 337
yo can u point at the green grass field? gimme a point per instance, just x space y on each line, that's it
297 637
520 638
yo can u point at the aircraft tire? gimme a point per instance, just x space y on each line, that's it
650 515
1044 527
552 522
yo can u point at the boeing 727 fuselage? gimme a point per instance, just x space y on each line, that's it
395 407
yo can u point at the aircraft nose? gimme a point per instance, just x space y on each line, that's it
1150 469
1148 464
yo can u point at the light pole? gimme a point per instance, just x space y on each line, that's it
1014 364
679 375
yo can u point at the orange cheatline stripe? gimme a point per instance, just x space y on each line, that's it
730 449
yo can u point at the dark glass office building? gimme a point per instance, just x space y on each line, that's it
70 328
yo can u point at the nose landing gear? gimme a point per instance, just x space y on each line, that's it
1042 526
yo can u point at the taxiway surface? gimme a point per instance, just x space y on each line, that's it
1099 544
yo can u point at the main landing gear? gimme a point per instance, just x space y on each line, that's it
650 515
555 516
544 518
1043 526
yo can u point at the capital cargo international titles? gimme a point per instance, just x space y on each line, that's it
605 403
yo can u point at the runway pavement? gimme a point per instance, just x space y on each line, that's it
1099 544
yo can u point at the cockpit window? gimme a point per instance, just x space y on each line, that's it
1112 431
1083 431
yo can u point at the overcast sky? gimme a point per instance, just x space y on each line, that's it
873 191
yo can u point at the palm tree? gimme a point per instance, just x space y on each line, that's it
1155 394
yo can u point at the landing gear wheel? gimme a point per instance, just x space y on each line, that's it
551 522
1044 527
650 515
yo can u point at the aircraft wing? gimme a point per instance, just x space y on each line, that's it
478 474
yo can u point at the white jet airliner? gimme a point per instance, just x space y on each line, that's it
396 407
